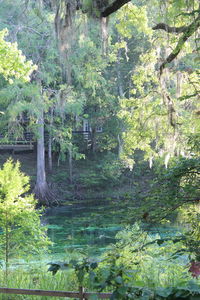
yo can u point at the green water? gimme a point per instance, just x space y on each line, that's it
86 227
90 227
83 227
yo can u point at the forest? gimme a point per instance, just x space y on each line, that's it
99 148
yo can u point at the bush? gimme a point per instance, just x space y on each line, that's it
21 230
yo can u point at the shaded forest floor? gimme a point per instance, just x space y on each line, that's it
88 181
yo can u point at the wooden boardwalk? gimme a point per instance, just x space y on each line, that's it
17 147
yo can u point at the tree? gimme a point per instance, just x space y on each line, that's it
159 112
36 25
41 189
187 30
65 28
21 230
65 106
12 63
123 90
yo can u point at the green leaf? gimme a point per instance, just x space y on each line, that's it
119 279
164 292
122 290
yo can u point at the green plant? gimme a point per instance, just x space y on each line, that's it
138 266
12 62
21 230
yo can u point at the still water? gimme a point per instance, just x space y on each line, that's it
89 227
86 227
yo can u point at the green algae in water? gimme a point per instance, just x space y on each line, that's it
89 227
87 230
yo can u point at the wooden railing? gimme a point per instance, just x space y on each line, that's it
81 294
17 146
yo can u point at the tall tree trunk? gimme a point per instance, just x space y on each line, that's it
93 140
164 80
50 141
64 25
120 146
121 95
70 164
104 35
119 77
41 189
50 153
179 77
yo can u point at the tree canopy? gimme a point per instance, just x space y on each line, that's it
12 63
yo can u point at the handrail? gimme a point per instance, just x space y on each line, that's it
81 294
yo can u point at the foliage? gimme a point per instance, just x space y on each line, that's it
21 232
142 98
132 16
137 260
106 171
189 216
172 188
110 169
12 62
145 113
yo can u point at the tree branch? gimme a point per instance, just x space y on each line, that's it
188 32
117 4
169 29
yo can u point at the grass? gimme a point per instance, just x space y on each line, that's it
151 274
37 279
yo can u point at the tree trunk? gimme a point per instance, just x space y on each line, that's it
70 165
121 95
164 80
119 77
120 146
40 4
93 140
104 35
50 141
179 78
50 153
41 189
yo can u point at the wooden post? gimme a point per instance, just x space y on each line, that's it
81 293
